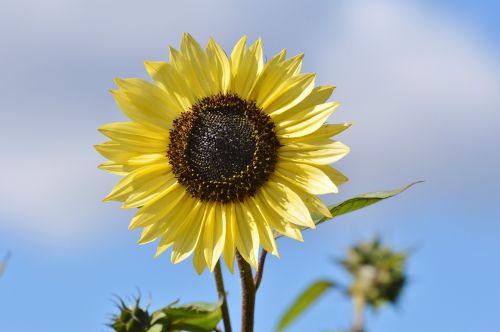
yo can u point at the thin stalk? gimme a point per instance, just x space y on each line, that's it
260 271
3 264
221 291
359 313
247 294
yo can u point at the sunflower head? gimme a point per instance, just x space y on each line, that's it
223 149
222 152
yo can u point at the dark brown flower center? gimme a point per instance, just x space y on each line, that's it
223 149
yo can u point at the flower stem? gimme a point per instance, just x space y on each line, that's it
221 291
260 271
359 311
248 294
3 263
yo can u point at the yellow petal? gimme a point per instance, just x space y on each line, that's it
168 81
245 67
276 220
318 95
273 76
147 159
149 234
162 246
266 235
144 102
214 235
151 190
280 86
306 177
313 203
292 92
305 122
173 83
124 167
256 50
114 168
115 151
280 57
140 146
321 152
247 235
287 203
178 218
229 244
269 67
156 210
137 179
335 176
189 234
172 225
132 130
186 69
198 63
294 64
325 131
198 258
220 68
236 62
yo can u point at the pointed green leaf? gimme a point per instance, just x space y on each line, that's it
359 202
303 302
355 203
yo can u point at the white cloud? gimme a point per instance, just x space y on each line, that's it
51 188
420 87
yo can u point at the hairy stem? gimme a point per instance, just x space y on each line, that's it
221 291
247 294
260 271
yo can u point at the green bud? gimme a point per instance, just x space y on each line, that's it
131 318
378 272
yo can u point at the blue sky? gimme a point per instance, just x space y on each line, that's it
418 79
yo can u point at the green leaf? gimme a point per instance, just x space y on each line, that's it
195 317
156 328
359 202
303 302
353 204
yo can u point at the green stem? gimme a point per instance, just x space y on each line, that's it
247 294
221 291
260 271
359 313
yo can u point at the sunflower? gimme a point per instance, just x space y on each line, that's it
222 153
